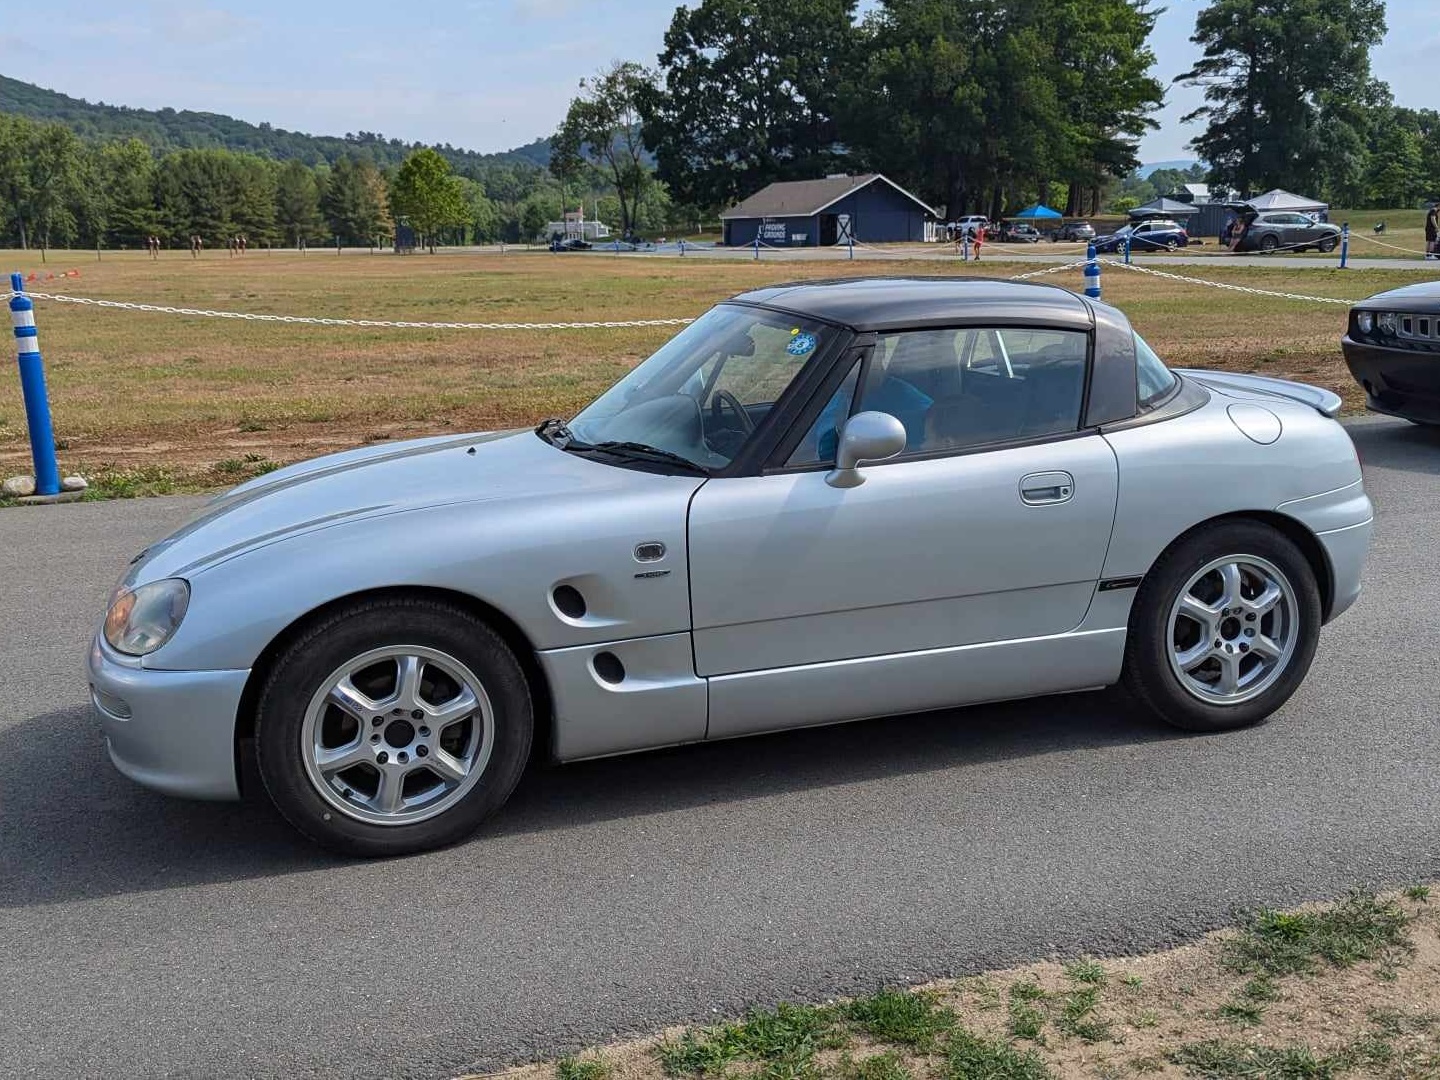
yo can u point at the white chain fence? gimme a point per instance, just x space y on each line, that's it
304 320
1225 285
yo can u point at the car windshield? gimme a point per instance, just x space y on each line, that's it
701 396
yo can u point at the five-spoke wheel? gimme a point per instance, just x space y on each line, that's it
1232 629
1224 627
397 735
393 725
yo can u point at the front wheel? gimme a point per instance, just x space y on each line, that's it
1224 628
393 726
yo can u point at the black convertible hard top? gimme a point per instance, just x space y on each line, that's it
883 303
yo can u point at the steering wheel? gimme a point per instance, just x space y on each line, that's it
730 401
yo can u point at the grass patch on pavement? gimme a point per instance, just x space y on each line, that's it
1341 991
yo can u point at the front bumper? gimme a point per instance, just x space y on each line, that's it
1398 382
173 731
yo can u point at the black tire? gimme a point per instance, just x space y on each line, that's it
1171 245
351 632
1148 674
1329 244
1270 243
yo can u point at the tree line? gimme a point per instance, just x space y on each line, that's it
59 190
989 105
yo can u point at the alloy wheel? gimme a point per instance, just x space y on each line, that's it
1233 629
397 735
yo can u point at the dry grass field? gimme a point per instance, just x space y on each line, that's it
156 402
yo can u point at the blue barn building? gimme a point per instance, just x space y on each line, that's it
870 209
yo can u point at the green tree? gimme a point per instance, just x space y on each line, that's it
482 218
538 210
426 191
750 93
1285 81
297 203
977 104
602 129
355 202
126 174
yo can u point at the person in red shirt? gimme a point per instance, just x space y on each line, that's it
979 240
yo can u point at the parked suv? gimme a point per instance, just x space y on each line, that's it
1286 232
1072 231
1155 235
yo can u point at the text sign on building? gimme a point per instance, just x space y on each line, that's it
772 231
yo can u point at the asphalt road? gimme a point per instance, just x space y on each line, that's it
144 936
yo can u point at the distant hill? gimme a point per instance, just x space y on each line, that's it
168 129
1179 163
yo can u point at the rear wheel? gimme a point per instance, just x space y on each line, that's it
1269 243
1224 627
393 726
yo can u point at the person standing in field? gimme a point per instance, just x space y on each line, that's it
1432 228
979 240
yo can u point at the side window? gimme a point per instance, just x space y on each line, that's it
818 445
955 389
1154 380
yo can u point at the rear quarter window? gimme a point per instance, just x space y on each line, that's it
1154 381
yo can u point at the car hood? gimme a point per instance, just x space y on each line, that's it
1423 296
372 482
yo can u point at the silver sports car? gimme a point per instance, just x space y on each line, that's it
819 502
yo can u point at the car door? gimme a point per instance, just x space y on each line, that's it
992 526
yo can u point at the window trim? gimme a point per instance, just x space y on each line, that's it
775 463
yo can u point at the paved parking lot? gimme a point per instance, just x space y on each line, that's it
144 936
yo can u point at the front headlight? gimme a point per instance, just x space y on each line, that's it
1366 321
141 620
1388 322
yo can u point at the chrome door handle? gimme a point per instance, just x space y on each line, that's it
1044 488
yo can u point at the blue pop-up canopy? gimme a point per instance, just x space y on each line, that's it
1039 213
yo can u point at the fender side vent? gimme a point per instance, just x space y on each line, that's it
569 602
609 667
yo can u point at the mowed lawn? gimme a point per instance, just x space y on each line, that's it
206 401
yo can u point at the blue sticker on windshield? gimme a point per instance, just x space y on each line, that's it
801 344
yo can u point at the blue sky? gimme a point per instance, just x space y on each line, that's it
483 74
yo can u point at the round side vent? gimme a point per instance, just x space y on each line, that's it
569 602
609 667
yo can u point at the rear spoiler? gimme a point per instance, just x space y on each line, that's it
1323 401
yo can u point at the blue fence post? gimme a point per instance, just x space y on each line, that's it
1092 273
965 246
1344 244
757 247
852 248
1127 250
32 389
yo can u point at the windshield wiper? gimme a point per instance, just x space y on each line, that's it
555 431
637 451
